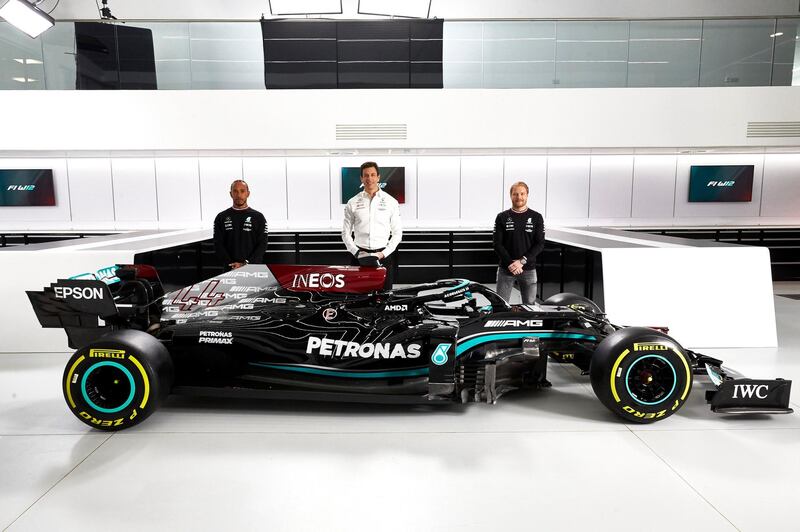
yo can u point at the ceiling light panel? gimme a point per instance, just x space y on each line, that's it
26 17
393 8
305 7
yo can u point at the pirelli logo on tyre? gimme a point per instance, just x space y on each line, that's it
106 353
650 346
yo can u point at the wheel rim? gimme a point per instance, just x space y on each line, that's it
651 379
108 387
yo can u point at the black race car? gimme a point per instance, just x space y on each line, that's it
333 333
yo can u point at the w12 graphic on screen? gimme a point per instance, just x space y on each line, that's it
27 188
721 183
393 182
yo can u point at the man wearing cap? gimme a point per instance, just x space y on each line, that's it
371 225
518 239
240 233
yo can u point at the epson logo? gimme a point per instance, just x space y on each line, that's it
513 323
74 292
318 280
344 349
721 183
396 308
21 188
748 391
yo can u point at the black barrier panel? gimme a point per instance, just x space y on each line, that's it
783 245
352 54
422 257
113 56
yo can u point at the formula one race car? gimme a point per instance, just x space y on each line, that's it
333 333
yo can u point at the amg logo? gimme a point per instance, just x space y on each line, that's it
396 308
748 391
106 353
74 292
22 188
342 348
256 275
721 183
650 347
246 288
215 337
513 323
318 280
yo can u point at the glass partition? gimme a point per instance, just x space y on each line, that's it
475 54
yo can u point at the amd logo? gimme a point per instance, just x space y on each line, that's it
721 183
513 323
74 292
22 188
747 391
318 280
396 308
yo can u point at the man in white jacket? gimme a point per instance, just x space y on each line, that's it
372 224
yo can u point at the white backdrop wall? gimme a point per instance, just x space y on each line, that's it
441 191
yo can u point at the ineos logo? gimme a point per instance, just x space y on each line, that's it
318 280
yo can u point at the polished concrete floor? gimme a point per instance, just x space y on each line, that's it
549 460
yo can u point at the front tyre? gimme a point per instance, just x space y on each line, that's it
640 374
118 380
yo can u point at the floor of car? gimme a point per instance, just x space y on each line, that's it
554 459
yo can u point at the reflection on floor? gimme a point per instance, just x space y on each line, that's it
548 460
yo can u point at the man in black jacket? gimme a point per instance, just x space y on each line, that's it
240 233
518 238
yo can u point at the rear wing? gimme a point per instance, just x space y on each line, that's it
87 308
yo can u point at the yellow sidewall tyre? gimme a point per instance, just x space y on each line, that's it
641 375
118 380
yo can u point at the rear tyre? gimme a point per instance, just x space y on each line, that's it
640 374
118 380
567 299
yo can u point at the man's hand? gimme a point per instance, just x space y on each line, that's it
235 265
380 255
515 267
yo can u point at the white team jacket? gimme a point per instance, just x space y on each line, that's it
372 222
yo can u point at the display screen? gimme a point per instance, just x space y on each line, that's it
721 183
27 188
393 182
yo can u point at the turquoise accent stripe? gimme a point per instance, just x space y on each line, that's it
469 344
351 374
674 379
472 342
115 365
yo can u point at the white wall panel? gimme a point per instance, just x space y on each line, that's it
532 170
653 186
481 189
135 197
266 177
738 209
216 176
610 183
568 187
781 192
308 192
178 185
438 193
39 217
91 192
